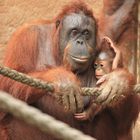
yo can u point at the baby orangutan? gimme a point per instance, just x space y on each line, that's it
108 59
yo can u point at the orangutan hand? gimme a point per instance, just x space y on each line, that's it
90 113
70 97
66 88
81 116
119 82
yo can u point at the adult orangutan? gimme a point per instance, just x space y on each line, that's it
61 51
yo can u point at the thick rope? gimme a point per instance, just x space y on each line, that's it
23 78
40 120
28 80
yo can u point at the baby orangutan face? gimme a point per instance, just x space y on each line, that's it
102 64
102 67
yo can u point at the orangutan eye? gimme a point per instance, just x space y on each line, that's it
101 65
74 32
95 66
86 34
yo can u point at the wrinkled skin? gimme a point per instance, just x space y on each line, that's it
77 41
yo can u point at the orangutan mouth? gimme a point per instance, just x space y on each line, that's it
81 59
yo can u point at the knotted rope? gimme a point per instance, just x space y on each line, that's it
26 79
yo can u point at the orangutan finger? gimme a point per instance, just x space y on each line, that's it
65 102
79 114
72 102
82 118
58 98
79 102
101 80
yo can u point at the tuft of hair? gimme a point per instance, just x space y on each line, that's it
76 6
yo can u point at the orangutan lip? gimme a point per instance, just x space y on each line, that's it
99 75
82 59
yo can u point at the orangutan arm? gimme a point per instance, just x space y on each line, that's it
115 17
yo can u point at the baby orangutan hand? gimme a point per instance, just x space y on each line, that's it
90 113
117 83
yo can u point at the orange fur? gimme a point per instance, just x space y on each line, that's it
33 49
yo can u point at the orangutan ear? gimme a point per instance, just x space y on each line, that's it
57 23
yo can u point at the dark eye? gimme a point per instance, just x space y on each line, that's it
95 65
86 33
101 65
74 32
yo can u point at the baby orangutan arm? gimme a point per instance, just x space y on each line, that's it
119 82
117 61
124 110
